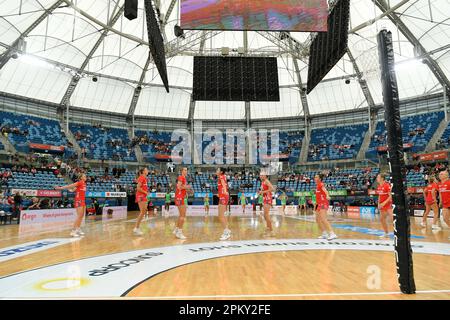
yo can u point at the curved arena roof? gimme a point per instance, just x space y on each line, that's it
66 39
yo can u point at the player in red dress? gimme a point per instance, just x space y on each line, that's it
79 203
141 199
321 209
384 203
266 192
429 194
224 198
180 194
444 196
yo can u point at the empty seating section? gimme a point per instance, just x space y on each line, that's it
24 129
203 183
154 143
42 180
104 143
336 143
416 130
348 179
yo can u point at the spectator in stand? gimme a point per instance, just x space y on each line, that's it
17 206
35 205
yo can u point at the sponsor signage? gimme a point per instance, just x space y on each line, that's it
333 193
385 148
415 189
114 213
91 194
39 221
419 213
372 232
38 193
24 249
49 193
236 210
439 155
290 210
203 194
356 212
115 275
159 195
46 147
353 212
357 192
367 210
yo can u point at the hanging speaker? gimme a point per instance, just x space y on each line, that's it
131 9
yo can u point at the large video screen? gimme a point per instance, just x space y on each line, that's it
235 79
255 15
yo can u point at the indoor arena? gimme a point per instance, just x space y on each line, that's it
224 150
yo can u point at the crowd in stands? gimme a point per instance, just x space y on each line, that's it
153 141
21 130
336 143
417 131
102 143
417 175
336 179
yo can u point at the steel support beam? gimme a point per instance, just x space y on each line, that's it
428 60
76 78
364 87
169 12
4 58
138 89
286 43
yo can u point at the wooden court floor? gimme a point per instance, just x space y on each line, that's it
323 273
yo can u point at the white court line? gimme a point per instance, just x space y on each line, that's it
290 295
300 295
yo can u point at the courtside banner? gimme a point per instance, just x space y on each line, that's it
39 221
49 193
117 274
24 249
91 194
38 193
290 210
353 212
25 192
438 155
199 211
38 146
330 192
114 213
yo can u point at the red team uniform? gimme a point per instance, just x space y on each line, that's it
223 197
383 191
444 190
180 194
267 196
321 197
429 193
80 194
140 196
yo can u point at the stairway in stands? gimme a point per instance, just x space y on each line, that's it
305 147
71 138
137 149
366 142
8 145
437 135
